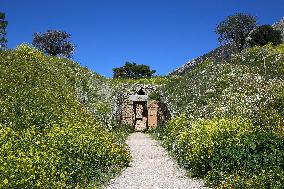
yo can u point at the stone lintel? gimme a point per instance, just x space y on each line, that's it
138 98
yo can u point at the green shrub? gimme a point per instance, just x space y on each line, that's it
228 152
210 135
262 35
66 156
255 161
155 96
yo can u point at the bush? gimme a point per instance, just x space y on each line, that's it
155 95
255 161
229 153
66 156
194 143
210 135
263 35
48 135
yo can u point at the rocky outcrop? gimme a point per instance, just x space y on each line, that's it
280 26
220 54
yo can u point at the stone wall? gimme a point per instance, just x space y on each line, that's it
124 103
137 110
153 108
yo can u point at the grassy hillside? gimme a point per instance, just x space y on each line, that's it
228 123
57 127
125 85
55 124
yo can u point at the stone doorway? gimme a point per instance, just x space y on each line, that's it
141 115
138 111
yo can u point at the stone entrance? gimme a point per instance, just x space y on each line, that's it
140 112
135 111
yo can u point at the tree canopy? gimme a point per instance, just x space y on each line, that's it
133 70
263 35
235 29
54 43
3 26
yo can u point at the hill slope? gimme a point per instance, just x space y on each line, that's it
228 121
220 54
53 123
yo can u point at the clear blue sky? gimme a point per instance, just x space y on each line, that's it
161 33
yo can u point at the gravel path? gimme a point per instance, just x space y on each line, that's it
151 167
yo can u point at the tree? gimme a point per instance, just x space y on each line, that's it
263 35
54 43
3 26
235 29
133 70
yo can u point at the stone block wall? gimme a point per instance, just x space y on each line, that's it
153 109
129 113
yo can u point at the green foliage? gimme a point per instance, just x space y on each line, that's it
256 160
265 61
155 96
54 43
48 134
3 26
120 132
133 70
127 85
263 35
229 153
210 135
156 80
235 29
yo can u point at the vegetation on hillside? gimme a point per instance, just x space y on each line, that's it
58 127
157 80
55 130
228 124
